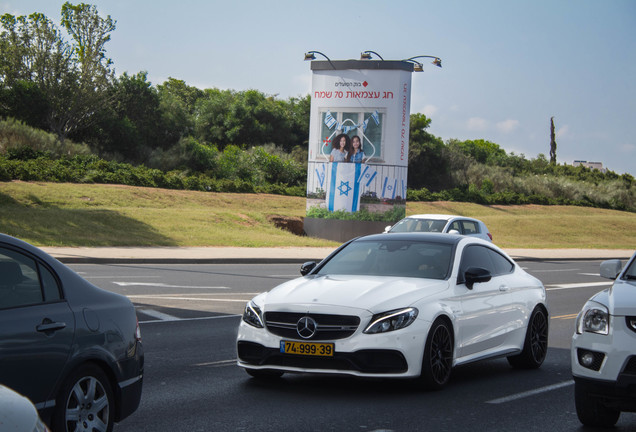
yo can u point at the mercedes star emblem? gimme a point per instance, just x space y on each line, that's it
306 327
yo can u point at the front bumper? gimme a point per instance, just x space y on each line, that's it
610 375
396 354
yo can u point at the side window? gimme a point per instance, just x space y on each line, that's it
49 285
20 283
470 227
456 226
502 265
476 256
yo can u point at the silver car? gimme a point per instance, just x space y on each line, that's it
442 223
604 349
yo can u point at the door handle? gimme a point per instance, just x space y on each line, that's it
50 326
504 288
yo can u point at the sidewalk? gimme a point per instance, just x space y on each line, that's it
238 255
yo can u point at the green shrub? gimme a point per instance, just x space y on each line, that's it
392 215
16 135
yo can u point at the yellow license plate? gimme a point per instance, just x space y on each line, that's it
307 348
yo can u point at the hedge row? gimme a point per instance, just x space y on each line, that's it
91 169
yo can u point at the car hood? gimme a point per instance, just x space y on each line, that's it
372 293
620 299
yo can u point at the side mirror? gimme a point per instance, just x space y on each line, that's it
453 231
387 229
307 267
610 269
475 275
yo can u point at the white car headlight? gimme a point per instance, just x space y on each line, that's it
252 315
392 320
593 318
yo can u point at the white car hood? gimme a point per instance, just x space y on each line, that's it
620 299
372 293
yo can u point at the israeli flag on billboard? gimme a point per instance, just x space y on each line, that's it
367 175
321 173
389 187
329 120
376 117
343 190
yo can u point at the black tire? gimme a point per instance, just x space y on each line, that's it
591 412
265 374
438 356
535 346
85 402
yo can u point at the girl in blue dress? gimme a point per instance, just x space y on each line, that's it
356 154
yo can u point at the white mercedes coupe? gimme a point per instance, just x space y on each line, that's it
408 305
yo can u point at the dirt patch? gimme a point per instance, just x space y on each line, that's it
245 220
292 224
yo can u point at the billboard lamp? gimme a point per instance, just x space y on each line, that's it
419 67
310 55
366 55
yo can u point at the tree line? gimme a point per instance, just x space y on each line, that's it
60 80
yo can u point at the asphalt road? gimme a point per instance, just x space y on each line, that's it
189 315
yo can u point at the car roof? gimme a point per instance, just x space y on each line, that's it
438 217
450 239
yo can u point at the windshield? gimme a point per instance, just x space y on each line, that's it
630 272
419 225
392 258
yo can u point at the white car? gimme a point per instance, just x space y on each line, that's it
17 413
403 306
604 349
442 223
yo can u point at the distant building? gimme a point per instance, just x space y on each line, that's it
591 165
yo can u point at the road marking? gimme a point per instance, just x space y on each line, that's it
164 297
187 319
531 392
113 277
551 271
576 285
159 315
218 363
160 285
565 317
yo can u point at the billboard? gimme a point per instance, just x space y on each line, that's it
359 135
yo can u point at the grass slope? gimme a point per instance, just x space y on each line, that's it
54 214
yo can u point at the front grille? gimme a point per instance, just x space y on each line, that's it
366 361
328 327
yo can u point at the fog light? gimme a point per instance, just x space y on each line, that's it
590 359
587 359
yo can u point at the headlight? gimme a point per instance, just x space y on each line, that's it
594 318
393 320
252 315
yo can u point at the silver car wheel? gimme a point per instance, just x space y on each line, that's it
87 402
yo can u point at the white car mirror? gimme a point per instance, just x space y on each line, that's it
611 269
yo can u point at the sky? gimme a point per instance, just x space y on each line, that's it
508 65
